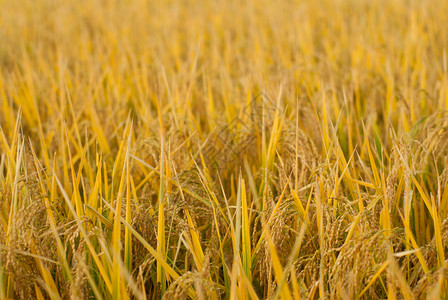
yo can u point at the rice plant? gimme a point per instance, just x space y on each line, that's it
223 149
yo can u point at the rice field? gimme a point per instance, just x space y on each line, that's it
223 149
